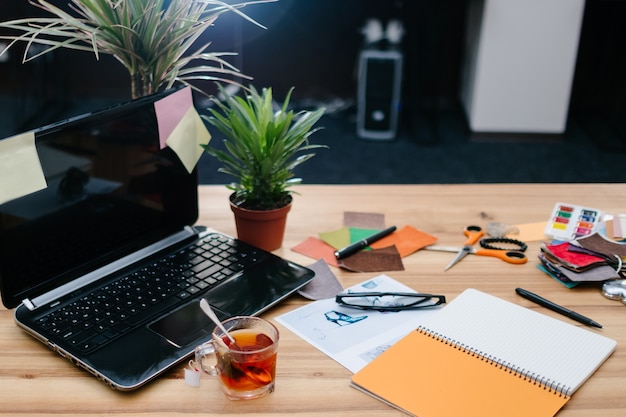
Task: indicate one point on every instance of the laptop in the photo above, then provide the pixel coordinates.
(106, 265)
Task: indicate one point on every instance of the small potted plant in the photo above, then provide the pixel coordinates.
(263, 145)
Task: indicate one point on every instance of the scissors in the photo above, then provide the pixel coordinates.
(473, 234)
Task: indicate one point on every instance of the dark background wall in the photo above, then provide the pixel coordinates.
(313, 45)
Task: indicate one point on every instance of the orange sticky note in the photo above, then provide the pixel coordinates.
(407, 240)
(530, 232)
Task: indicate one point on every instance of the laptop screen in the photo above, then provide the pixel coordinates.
(111, 190)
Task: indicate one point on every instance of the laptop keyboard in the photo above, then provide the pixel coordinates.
(132, 300)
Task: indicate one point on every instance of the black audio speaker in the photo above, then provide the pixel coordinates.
(379, 93)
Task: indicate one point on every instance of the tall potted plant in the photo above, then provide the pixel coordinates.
(155, 40)
(263, 145)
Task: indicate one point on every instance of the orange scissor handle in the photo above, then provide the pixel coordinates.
(512, 257)
(473, 233)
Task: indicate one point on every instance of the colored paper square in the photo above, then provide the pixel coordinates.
(187, 137)
(407, 240)
(338, 239)
(317, 249)
(364, 220)
(357, 234)
(377, 260)
(528, 232)
(170, 111)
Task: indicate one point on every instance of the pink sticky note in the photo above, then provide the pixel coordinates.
(170, 111)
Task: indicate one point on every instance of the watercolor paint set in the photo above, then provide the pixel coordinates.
(570, 221)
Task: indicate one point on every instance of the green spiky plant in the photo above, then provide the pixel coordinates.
(262, 146)
(153, 39)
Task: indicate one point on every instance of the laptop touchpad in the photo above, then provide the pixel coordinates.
(186, 325)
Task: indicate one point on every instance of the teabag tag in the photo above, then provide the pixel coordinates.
(192, 375)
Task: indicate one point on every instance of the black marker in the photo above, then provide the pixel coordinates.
(557, 308)
(357, 246)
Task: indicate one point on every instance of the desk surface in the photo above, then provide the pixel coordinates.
(34, 380)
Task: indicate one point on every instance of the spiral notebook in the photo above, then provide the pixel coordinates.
(484, 356)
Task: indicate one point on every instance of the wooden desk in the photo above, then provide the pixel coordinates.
(34, 380)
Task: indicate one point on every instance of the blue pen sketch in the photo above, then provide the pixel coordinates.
(369, 285)
(342, 319)
(338, 318)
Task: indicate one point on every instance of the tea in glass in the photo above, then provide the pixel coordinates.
(247, 366)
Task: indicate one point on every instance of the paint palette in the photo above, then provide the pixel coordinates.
(569, 221)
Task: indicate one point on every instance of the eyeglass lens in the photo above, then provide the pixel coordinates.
(391, 300)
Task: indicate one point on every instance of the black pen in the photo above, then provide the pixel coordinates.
(557, 308)
(357, 246)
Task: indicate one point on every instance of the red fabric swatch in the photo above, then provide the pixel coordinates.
(577, 259)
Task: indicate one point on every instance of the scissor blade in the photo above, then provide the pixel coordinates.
(460, 255)
(437, 248)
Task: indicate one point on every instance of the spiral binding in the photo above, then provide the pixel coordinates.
(547, 384)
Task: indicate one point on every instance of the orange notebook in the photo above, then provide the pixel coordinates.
(484, 356)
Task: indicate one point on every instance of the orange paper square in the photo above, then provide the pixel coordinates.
(407, 240)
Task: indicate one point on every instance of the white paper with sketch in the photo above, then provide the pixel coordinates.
(358, 337)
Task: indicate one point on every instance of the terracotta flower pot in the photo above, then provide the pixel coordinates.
(262, 228)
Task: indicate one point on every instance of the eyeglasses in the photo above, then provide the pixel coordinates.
(389, 301)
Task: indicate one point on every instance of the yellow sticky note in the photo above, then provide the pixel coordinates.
(187, 137)
(20, 168)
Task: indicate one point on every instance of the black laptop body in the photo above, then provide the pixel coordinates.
(118, 218)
